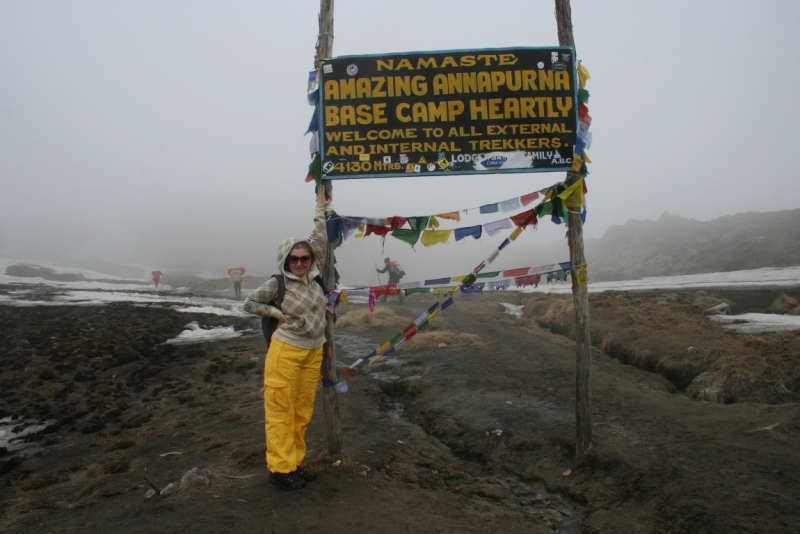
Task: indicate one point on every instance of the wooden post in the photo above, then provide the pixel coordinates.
(330, 397)
(580, 293)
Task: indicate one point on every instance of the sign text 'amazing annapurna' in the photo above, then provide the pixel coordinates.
(459, 112)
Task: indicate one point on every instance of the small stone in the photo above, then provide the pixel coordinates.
(337, 463)
(149, 493)
(567, 473)
(362, 473)
(195, 477)
(170, 488)
(442, 345)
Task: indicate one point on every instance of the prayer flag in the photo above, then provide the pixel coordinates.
(509, 205)
(527, 199)
(583, 75)
(418, 223)
(490, 208)
(350, 225)
(409, 236)
(452, 215)
(412, 290)
(434, 237)
(474, 231)
(493, 227)
(437, 281)
(524, 219)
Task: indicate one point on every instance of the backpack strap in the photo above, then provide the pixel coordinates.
(276, 302)
(269, 324)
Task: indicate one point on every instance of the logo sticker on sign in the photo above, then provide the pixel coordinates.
(352, 70)
(327, 167)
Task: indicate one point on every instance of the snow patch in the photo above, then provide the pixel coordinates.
(196, 334)
(757, 323)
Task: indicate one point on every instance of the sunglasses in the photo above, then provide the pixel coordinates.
(299, 259)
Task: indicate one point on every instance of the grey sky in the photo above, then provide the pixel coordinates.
(170, 134)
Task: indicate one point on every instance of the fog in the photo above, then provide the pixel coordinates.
(169, 134)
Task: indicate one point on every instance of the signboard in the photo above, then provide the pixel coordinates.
(456, 112)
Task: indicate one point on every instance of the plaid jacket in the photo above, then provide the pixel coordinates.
(304, 301)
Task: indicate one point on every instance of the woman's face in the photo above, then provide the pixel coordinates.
(299, 261)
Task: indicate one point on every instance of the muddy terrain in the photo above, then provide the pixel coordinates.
(470, 429)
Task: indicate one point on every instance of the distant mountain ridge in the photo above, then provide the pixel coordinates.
(674, 245)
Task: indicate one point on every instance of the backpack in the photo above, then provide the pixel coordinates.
(270, 324)
(399, 270)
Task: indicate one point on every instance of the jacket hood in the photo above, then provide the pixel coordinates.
(283, 251)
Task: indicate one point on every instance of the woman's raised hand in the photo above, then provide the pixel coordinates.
(321, 200)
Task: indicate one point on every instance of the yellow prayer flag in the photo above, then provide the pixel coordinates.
(375, 359)
(577, 161)
(458, 278)
(573, 195)
(583, 75)
(434, 237)
(515, 234)
(383, 348)
(439, 291)
(586, 157)
(362, 228)
(580, 275)
(434, 315)
(571, 189)
(433, 222)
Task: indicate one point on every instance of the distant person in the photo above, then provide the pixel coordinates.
(157, 277)
(395, 274)
(236, 277)
(294, 358)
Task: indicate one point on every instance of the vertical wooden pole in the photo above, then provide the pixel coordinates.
(330, 397)
(580, 293)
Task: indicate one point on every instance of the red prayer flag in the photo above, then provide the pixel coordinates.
(513, 273)
(527, 199)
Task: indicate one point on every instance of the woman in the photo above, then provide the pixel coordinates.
(292, 366)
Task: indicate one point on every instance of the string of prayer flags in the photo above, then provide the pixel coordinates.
(490, 208)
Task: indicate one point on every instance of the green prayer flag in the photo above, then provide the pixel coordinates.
(396, 338)
(412, 290)
(315, 169)
(470, 278)
(583, 95)
(422, 325)
(409, 236)
(418, 223)
(489, 275)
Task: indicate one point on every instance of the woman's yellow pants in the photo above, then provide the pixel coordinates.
(291, 376)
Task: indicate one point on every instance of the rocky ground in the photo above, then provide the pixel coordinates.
(444, 437)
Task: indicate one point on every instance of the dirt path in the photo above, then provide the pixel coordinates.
(437, 440)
